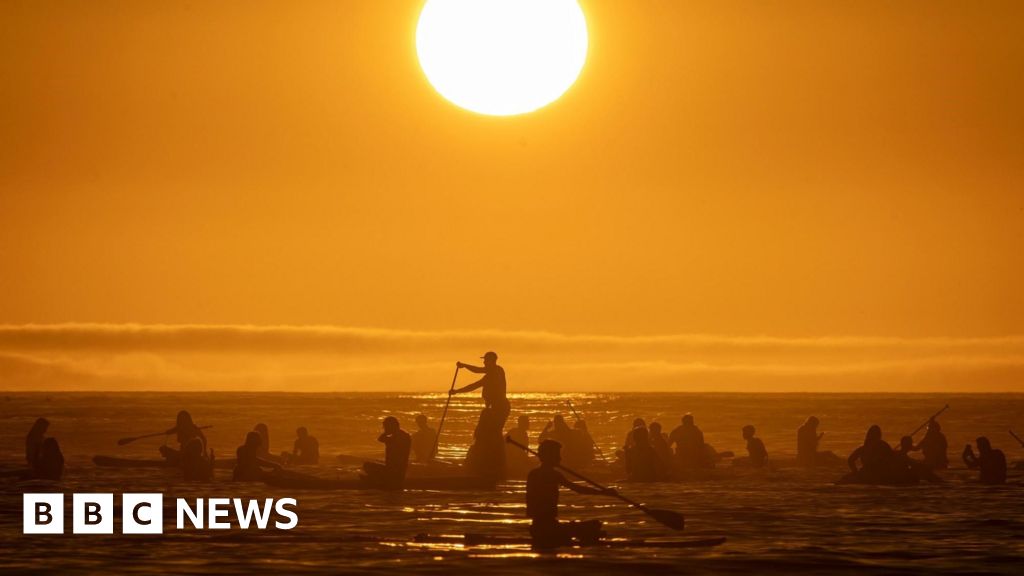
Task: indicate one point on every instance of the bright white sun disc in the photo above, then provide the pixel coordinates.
(501, 57)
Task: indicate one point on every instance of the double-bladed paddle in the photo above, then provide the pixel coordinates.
(131, 439)
(673, 520)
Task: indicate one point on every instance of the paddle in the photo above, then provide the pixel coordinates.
(934, 416)
(437, 438)
(131, 439)
(673, 520)
(1017, 438)
(576, 415)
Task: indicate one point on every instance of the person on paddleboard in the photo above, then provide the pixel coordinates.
(185, 430)
(516, 460)
(423, 440)
(305, 450)
(34, 440)
(934, 447)
(487, 455)
(757, 454)
(542, 485)
(691, 452)
(250, 464)
(807, 440)
(397, 446)
(989, 461)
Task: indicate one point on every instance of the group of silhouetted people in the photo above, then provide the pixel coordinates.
(650, 455)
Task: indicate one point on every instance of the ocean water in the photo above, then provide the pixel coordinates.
(785, 521)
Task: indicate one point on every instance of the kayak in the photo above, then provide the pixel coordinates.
(488, 540)
(296, 481)
(115, 462)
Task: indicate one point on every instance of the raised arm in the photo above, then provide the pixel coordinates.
(854, 456)
(470, 387)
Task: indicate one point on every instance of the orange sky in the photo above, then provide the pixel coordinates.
(792, 169)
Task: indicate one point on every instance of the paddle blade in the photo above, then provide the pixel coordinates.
(673, 520)
(124, 441)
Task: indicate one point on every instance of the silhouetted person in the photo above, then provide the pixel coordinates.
(876, 459)
(637, 423)
(807, 440)
(250, 464)
(34, 440)
(756, 452)
(642, 462)
(991, 462)
(517, 460)
(397, 445)
(584, 442)
(487, 454)
(195, 465)
(934, 447)
(264, 433)
(691, 452)
(306, 449)
(659, 441)
(185, 430)
(423, 440)
(573, 450)
(908, 469)
(49, 464)
(542, 486)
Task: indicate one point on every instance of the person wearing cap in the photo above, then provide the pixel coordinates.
(487, 454)
(542, 486)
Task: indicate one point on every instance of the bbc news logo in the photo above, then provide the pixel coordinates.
(144, 513)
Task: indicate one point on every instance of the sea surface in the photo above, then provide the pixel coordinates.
(783, 521)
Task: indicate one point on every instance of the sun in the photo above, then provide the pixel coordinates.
(501, 57)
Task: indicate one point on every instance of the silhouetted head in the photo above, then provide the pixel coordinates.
(559, 421)
(906, 443)
(639, 423)
(874, 434)
(391, 425)
(301, 432)
(550, 452)
(748, 432)
(688, 419)
(983, 444)
(421, 421)
(524, 422)
(655, 428)
(184, 418)
(253, 440)
(39, 427)
(934, 425)
(812, 422)
(641, 437)
(490, 359)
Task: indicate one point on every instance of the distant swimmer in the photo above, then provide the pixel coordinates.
(542, 486)
(305, 450)
(49, 464)
(642, 462)
(517, 460)
(397, 445)
(989, 461)
(934, 447)
(487, 454)
(757, 454)
(423, 440)
(194, 464)
(691, 453)
(250, 464)
(807, 440)
(34, 440)
(185, 430)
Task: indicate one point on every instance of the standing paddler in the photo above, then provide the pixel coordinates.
(487, 454)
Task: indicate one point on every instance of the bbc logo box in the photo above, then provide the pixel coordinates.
(93, 514)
